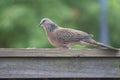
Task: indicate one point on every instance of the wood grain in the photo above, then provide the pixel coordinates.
(59, 67)
(14, 52)
(59, 63)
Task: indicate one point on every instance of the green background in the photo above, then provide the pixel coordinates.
(19, 20)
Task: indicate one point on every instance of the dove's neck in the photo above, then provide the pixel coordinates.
(51, 27)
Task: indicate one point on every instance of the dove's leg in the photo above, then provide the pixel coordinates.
(65, 46)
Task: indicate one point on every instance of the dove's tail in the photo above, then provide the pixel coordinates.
(102, 45)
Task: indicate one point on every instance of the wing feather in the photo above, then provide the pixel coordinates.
(65, 35)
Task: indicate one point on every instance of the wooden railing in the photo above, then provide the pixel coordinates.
(59, 63)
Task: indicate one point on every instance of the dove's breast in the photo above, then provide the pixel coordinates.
(52, 38)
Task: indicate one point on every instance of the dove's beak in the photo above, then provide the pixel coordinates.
(40, 25)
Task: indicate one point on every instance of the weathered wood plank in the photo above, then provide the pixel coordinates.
(56, 63)
(14, 52)
(59, 67)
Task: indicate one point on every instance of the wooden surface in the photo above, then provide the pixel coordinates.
(13, 52)
(54, 63)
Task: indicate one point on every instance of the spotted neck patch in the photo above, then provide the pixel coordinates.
(51, 27)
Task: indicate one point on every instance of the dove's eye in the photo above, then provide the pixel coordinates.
(43, 21)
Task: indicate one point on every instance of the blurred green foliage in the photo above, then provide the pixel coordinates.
(19, 20)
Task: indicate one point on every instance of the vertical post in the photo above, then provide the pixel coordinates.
(104, 32)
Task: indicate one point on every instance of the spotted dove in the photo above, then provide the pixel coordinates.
(66, 37)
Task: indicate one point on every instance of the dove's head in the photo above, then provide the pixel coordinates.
(48, 24)
(46, 21)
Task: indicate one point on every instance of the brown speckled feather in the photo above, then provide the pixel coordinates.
(66, 35)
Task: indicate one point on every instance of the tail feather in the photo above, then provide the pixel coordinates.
(102, 45)
(106, 46)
